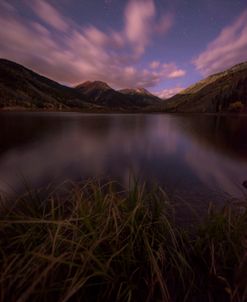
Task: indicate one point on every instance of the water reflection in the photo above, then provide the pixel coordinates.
(193, 156)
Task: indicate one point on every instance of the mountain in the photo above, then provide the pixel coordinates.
(102, 94)
(142, 95)
(21, 87)
(222, 92)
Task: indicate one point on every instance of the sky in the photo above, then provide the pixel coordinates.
(161, 45)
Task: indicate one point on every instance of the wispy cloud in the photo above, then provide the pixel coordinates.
(228, 49)
(154, 64)
(165, 23)
(139, 16)
(168, 93)
(54, 45)
(177, 73)
(49, 14)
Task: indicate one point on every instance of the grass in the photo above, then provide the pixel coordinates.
(97, 243)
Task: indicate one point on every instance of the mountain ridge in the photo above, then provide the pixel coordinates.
(142, 94)
(21, 87)
(102, 93)
(225, 91)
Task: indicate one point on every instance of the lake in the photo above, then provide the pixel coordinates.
(193, 156)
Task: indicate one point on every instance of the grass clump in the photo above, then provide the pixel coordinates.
(97, 243)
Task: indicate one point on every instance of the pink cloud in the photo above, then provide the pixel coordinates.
(96, 36)
(154, 64)
(165, 23)
(138, 18)
(171, 71)
(177, 74)
(48, 14)
(7, 7)
(140, 23)
(168, 93)
(72, 54)
(228, 49)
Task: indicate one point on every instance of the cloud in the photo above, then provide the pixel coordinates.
(53, 45)
(171, 71)
(6, 7)
(228, 49)
(177, 74)
(154, 64)
(49, 14)
(138, 18)
(168, 93)
(140, 23)
(165, 23)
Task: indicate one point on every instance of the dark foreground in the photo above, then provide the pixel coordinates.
(97, 243)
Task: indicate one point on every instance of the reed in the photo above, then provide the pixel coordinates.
(96, 242)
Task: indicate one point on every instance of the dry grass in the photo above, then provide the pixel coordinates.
(96, 243)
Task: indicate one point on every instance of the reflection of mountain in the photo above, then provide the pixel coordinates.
(226, 134)
(82, 146)
(162, 148)
(222, 92)
(20, 129)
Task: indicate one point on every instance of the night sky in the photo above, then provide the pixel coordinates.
(162, 45)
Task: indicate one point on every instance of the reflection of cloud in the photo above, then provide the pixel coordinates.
(153, 146)
(57, 47)
(77, 151)
(216, 171)
(228, 49)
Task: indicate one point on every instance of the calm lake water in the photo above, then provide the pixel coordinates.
(192, 156)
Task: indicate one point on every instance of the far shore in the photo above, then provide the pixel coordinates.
(112, 111)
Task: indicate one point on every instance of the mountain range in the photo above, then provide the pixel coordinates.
(21, 88)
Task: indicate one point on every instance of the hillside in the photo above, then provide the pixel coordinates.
(222, 92)
(21, 87)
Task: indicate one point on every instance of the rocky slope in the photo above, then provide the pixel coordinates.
(222, 92)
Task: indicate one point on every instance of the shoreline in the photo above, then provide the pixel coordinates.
(23, 110)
